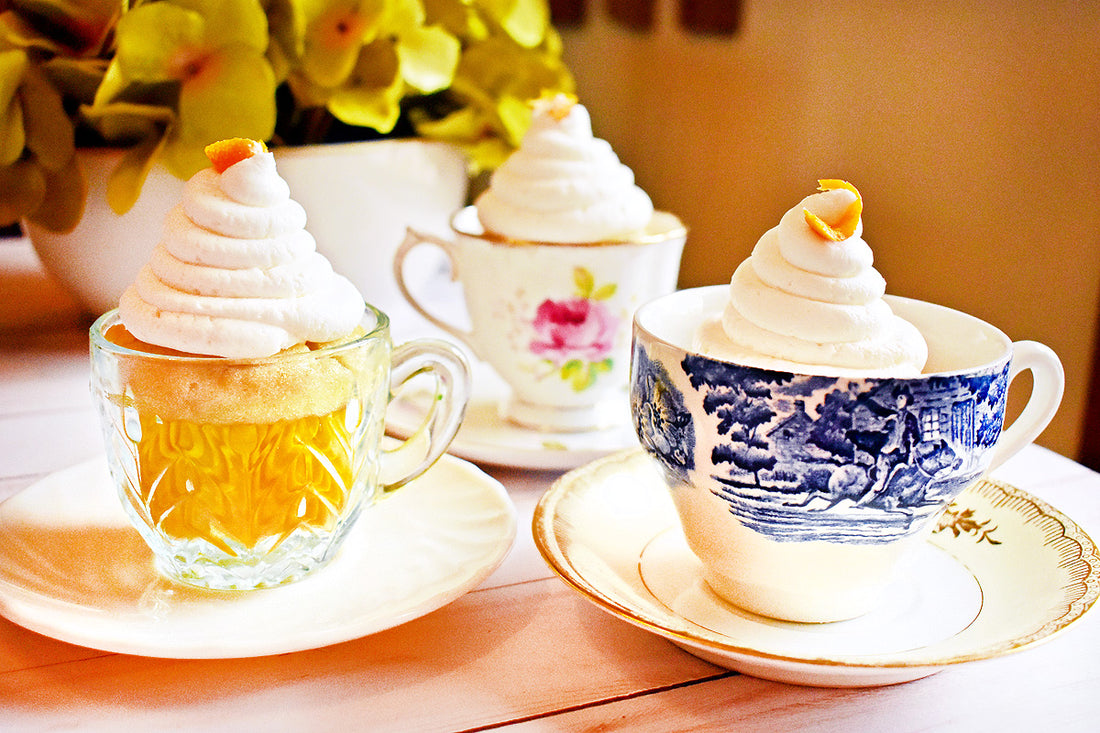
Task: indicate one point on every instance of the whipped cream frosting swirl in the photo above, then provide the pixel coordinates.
(804, 301)
(563, 185)
(236, 274)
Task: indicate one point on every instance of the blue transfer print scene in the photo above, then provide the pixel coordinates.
(661, 421)
(797, 456)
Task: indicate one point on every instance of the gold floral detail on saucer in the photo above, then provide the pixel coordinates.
(962, 521)
(975, 602)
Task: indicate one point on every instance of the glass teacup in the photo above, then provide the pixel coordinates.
(248, 473)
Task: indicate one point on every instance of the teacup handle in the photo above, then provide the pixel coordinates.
(448, 366)
(1048, 383)
(414, 239)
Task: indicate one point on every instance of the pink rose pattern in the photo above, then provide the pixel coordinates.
(577, 334)
(574, 328)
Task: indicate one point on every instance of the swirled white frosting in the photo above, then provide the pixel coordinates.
(563, 185)
(236, 274)
(802, 302)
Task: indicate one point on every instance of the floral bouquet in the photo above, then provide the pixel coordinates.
(162, 78)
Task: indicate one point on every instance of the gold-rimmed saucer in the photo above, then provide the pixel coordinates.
(1002, 572)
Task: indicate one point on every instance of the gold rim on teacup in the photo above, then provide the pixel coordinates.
(661, 227)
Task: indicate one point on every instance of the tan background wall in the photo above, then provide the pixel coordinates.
(971, 129)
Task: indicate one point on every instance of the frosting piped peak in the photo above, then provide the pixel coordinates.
(235, 273)
(808, 298)
(563, 184)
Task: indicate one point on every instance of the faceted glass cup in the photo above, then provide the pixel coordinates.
(248, 473)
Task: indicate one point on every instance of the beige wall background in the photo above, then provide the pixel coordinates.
(971, 129)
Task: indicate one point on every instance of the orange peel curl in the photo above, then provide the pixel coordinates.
(557, 104)
(225, 153)
(846, 225)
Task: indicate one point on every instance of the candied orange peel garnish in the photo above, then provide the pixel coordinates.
(557, 104)
(846, 225)
(225, 153)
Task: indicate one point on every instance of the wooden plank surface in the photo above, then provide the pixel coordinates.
(522, 652)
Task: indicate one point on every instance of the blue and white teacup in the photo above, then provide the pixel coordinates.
(799, 493)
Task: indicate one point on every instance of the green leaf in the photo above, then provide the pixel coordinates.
(429, 57)
(24, 186)
(13, 65)
(286, 25)
(126, 122)
(515, 116)
(372, 96)
(465, 127)
(525, 21)
(571, 368)
(72, 27)
(76, 79)
(126, 180)
(12, 134)
(604, 291)
(584, 281)
(458, 17)
(17, 32)
(307, 93)
(112, 85)
(462, 124)
(583, 379)
(485, 155)
(501, 67)
(403, 16)
(63, 202)
(552, 48)
(49, 129)
(378, 109)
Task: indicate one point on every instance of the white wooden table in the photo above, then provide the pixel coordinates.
(521, 652)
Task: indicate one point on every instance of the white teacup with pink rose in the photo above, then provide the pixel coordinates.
(552, 319)
(554, 257)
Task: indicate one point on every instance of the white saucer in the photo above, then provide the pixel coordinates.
(72, 568)
(486, 438)
(1003, 572)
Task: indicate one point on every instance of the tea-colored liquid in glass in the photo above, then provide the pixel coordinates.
(244, 485)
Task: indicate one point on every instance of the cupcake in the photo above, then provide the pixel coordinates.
(244, 372)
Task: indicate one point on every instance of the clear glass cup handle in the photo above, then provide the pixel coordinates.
(448, 366)
(1048, 384)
